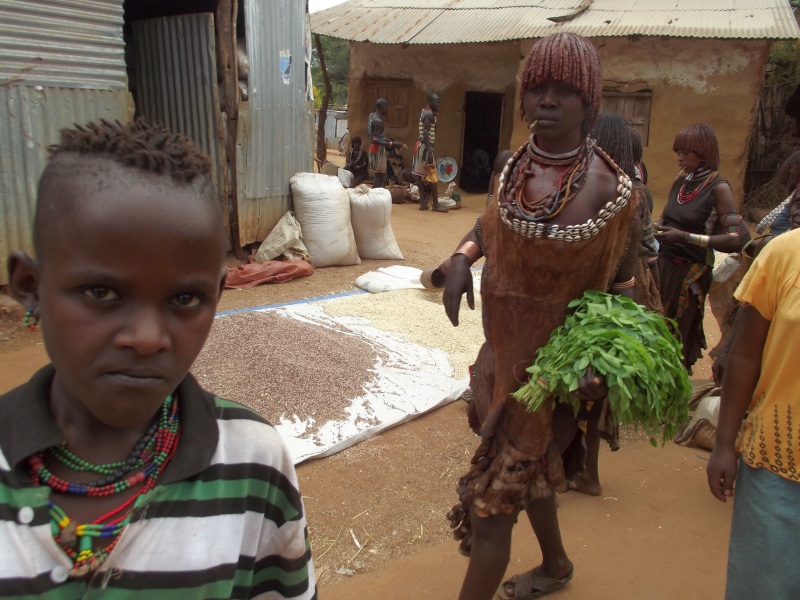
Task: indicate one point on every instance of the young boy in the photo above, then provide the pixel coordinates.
(356, 162)
(119, 476)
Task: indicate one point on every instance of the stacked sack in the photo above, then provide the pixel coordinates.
(340, 227)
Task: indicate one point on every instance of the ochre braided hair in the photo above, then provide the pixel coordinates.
(700, 139)
(789, 173)
(570, 59)
(613, 134)
(138, 144)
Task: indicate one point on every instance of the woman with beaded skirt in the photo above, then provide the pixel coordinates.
(700, 217)
(560, 224)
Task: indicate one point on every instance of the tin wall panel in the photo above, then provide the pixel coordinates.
(32, 117)
(63, 43)
(278, 144)
(176, 82)
(335, 127)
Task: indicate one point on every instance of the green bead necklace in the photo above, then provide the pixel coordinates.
(148, 459)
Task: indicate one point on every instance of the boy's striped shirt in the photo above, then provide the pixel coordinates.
(225, 521)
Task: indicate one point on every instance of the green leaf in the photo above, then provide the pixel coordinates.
(634, 349)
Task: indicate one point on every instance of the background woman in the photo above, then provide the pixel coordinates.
(761, 384)
(700, 216)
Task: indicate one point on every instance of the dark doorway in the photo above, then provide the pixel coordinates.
(483, 112)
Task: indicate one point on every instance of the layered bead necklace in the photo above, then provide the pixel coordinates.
(512, 197)
(706, 176)
(144, 465)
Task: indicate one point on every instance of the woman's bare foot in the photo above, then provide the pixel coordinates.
(586, 485)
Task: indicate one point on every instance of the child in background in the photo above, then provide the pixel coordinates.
(356, 162)
(119, 475)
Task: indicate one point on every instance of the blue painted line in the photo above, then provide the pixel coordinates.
(305, 300)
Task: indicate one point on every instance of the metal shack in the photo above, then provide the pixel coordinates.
(73, 61)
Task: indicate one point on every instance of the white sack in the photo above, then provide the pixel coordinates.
(322, 207)
(285, 238)
(346, 177)
(371, 212)
(387, 279)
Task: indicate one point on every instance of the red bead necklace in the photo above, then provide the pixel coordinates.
(683, 197)
(570, 182)
(152, 453)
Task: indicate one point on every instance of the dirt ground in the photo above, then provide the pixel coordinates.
(376, 511)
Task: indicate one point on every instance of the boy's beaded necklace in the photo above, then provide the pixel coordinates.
(148, 459)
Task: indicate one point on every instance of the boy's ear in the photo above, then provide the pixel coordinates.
(222, 279)
(23, 279)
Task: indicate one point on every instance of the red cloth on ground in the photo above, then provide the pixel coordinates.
(269, 271)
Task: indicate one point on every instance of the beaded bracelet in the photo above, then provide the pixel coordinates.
(623, 285)
(471, 250)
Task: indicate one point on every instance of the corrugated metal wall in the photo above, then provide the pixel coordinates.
(335, 127)
(176, 82)
(63, 43)
(176, 79)
(277, 116)
(61, 62)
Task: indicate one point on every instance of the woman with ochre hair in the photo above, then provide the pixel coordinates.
(559, 224)
(700, 216)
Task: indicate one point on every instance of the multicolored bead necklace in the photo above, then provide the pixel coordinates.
(151, 454)
(709, 175)
(566, 233)
(512, 198)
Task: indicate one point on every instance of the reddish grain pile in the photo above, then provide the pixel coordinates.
(282, 367)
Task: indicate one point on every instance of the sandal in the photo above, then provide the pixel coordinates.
(531, 584)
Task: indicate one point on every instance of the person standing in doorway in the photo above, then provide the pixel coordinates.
(423, 163)
(378, 143)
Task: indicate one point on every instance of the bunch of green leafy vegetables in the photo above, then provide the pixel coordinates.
(634, 350)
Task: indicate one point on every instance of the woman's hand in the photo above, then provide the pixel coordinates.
(669, 235)
(591, 387)
(458, 282)
(721, 472)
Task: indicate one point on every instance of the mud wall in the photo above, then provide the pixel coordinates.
(448, 70)
(692, 80)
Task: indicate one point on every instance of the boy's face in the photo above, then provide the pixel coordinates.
(357, 145)
(128, 285)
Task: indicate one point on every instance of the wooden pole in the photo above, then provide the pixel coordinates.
(322, 150)
(227, 65)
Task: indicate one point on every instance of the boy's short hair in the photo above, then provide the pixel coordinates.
(356, 138)
(139, 145)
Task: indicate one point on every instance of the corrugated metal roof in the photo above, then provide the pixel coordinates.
(63, 43)
(477, 21)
